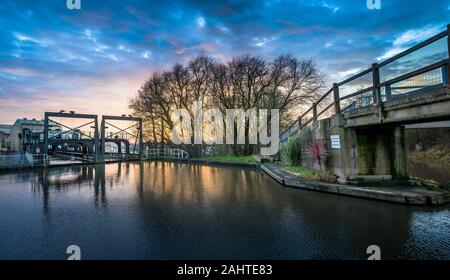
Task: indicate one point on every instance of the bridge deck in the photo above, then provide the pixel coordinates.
(428, 104)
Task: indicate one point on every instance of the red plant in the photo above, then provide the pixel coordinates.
(318, 151)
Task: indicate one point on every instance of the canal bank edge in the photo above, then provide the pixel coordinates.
(403, 195)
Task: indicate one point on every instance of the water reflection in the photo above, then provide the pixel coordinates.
(65, 179)
(180, 211)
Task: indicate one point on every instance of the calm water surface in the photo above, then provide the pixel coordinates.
(180, 211)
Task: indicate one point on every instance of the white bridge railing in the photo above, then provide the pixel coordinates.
(167, 153)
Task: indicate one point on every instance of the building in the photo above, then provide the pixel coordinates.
(5, 131)
(25, 135)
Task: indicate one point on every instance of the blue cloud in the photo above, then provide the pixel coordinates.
(43, 44)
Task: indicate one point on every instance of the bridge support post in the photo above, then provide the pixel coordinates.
(96, 141)
(380, 151)
(102, 145)
(337, 104)
(45, 150)
(376, 88)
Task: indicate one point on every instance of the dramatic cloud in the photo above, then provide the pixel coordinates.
(409, 38)
(94, 59)
(201, 21)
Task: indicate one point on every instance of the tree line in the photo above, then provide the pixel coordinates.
(245, 82)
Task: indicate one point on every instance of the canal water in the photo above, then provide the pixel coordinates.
(182, 211)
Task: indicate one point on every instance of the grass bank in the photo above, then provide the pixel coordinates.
(241, 159)
(310, 173)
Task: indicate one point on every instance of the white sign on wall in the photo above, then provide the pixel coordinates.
(335, 141)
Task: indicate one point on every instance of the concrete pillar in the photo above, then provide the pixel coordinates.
(350, 143)
(374, 151)
(365, 153)
(399, 153)
(381, 151)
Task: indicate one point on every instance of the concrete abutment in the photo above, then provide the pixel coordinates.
(377, 151)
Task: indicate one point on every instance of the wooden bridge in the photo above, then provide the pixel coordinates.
(367, 112)
(410, 87)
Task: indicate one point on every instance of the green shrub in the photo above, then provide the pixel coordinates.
(311, 174)
(325, 176)
(291, 152)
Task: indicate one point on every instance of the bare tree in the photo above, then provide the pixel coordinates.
(154, 104)
(293, 83)
(246, 82)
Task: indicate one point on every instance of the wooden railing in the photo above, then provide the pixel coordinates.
(380, 88)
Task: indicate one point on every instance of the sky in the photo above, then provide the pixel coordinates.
(94, 59)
